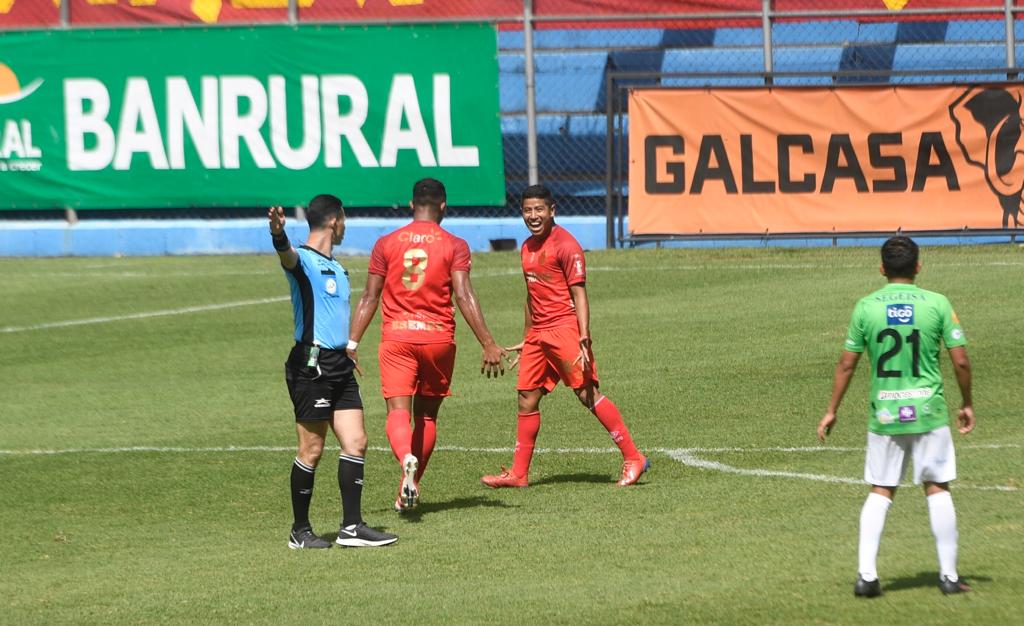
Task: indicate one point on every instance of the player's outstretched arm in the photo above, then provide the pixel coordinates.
(962, 367)
(844, 374)
(289, 257)
(578, 292)
(469, 305)
(363, 314)
(518, 348)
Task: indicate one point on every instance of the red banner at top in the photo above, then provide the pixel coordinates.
(397, 10)
(669, 7)
(29, 13)
(42, 13)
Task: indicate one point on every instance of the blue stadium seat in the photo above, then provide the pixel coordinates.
(873, 57)
(949, 56)
(553, 61)
(976, 30)
(921, 32)
(510, 39)
(598, 38)
(817, 32)
(714, 61)
(561, 92)
(807, 59)
(876, 33)
(565, 81)
(546, 124)
(511, 92)
(567, 145)
(739, 37)
(688, 38)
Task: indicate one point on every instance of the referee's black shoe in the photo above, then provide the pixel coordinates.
(867, 588)
(305, 538)
(953, 586)
(362, 536)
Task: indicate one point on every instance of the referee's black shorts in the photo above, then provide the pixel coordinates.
(317, 392)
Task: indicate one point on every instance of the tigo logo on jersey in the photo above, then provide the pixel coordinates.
(899, 314)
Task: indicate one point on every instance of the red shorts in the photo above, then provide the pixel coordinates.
(422, 369)
(551, 355)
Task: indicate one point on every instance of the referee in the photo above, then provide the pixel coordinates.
(320, 376)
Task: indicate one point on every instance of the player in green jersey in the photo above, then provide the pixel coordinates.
(903, 327)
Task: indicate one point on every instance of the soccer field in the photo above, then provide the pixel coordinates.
(146, 438)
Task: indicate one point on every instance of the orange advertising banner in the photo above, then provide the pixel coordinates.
(848, 159)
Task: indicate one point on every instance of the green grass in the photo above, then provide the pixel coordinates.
(699, 349)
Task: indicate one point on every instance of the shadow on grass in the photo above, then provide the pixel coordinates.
(573, 478)
(426, 508)
(925, 579)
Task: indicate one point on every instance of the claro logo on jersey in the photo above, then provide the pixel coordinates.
(899, 314)
(18, 152)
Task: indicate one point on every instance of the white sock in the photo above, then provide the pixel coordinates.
(872, 521)
(943, 519)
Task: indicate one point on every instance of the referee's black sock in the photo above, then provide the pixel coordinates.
(302, 493)
(350, 482)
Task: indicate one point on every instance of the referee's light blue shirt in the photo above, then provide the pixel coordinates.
(320, 299)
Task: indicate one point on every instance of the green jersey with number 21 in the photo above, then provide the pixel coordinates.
(903, 328)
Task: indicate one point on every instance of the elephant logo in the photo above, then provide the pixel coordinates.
(988, 131)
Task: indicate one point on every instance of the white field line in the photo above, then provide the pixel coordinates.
(489, 274)
(202, 308)
(144, 315)
(480, 450)
(127, 273)
(686, 456)
(688, 459)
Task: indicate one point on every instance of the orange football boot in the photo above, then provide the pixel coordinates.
(631, 471)
(505, 479)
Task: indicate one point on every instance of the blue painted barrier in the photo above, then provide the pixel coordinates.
(243, 236)
(249, 236)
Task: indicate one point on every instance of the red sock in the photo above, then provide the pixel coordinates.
(526, 437)
(399, 433)
(423, 438)
(611, 419)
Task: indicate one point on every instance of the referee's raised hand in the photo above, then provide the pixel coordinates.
(289, 258)
(276, 217)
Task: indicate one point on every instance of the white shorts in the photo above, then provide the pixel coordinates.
(887, 457)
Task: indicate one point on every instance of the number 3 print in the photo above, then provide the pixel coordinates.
(415, 263)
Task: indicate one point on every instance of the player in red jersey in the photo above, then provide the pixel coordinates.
(556, 344)
(418, 268)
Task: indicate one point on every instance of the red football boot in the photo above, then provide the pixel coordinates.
(631, 471)
(505, 479)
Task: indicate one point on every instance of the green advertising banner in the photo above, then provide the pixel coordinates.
(248, 116)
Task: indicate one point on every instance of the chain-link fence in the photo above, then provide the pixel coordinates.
(574, 45)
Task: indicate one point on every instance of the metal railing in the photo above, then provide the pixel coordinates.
(559, 106)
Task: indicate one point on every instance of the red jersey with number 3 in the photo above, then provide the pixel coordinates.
(551, 265)
(417, 262)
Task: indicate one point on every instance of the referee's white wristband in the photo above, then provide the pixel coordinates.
(352, 345)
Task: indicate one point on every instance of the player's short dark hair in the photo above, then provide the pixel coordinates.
(538, 192)
(899, 257)
(429, 192)
(321, 209)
